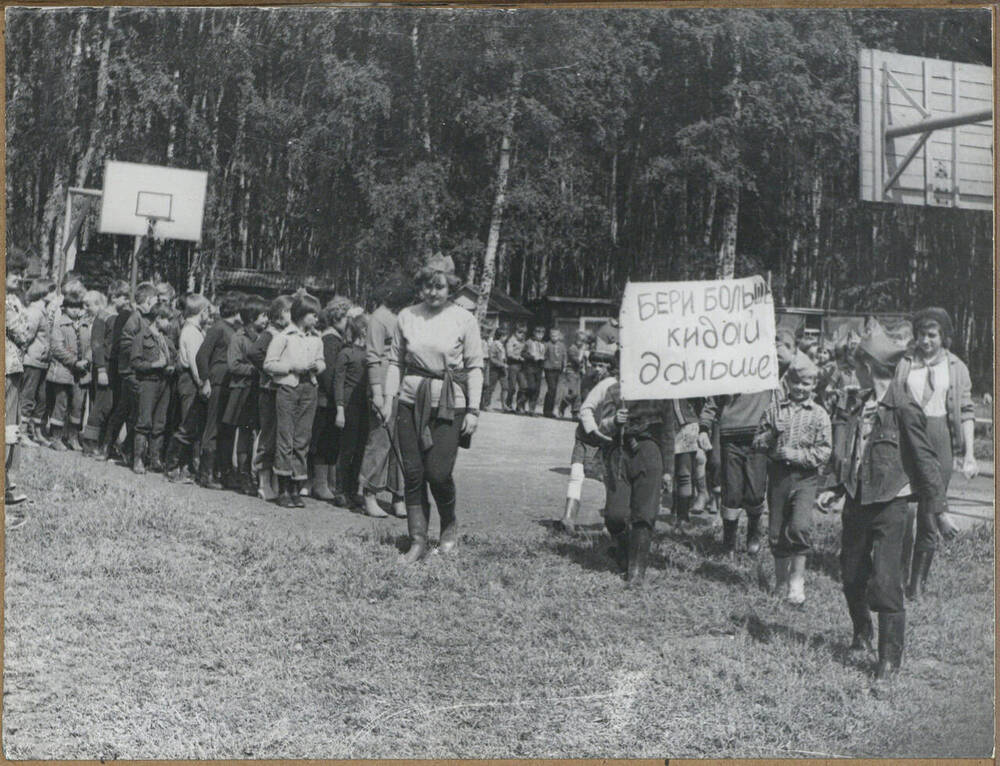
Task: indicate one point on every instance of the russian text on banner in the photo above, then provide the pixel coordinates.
(690, 339)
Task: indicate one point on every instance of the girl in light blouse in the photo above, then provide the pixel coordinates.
(436, 365)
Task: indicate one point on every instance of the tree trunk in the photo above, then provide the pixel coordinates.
(418, 76)
(713, 191)
(496, 219)
(727, 253)
(97, 127)
(613, 201)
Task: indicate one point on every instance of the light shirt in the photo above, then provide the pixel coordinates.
(937, 405)
(190, 342)
(435, 340)
(588, 410)
(866, 422)
(292, 348)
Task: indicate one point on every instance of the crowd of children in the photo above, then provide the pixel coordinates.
(267, 398)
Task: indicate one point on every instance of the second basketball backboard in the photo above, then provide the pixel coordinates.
(948, 165)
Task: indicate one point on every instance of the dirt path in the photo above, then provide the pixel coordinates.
(513, 478)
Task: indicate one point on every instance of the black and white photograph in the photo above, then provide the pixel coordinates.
(414, 382)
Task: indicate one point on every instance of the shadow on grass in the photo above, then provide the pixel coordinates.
(766, 632)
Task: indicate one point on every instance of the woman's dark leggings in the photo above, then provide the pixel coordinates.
(432, 468)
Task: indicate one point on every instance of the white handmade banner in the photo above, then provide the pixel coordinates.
(690, 339)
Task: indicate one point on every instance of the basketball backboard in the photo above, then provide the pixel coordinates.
(926, 131)
(134, 194)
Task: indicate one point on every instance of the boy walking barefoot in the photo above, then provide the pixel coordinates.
(795, 433)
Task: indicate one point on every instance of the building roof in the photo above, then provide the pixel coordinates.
(571, 299)
(271, 280)
(500, 302)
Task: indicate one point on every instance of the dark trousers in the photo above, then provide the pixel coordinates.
(124, 412)
(513, 377)
(633, 479)
(871, 552)
(551, 386)
(217, 437)
(684, 474)
(102, 402)
(263, 459)
(353, 438)
(192, 411)
(791, 493)
(530, 381)
(432, 468)
(495, 375)
(744, 475)
(151, 412)
(67, 403)
(325, 436)
(33, 394)
(295, 407)
(926, 538)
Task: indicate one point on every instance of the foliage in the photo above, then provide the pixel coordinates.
(344, 142)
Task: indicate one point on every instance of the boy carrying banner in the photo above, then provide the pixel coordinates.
(638, 451)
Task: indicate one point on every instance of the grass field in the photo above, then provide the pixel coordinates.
(147, 623)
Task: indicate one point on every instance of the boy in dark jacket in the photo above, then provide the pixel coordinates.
(241, 404)
(886, 459)
(213, 366)
(120, 300)
(638, 465)
(153, 359)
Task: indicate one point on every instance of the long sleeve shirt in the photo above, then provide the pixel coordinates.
(191, 339)
(497, 353)
(447, 338)
(534, 351)
(151, 350)
(257, 353)
(332, 341)
(801, 429)
(290, 353)
(130, 328)
(555, 356)
(242, 373)
(213, 356)
(381, 326)
(738, 415)
(350, 373)
(17, 337)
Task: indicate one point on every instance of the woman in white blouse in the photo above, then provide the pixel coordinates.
(939, 382)
(436, 366)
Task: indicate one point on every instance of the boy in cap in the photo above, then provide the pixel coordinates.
(887, 459)
(795, 433)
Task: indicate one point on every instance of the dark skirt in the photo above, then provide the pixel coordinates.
(241, 408)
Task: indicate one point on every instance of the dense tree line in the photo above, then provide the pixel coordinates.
(550, 152)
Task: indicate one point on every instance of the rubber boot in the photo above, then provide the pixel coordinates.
(782, 565)
(296, 493)
(416, 525)
(139, 454)
(891, 627)
(754, 539)
(730, 527)
(682, 513)
(619, 550)
(285, 498)
(155, 451)
(449, 529)
(72, 437)
(321, 479)
(206, 477)
(639, 539)
(171, 466)
(861, 619)
(797, 580)
(568, 521)
(918, 574)
(372, 508)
